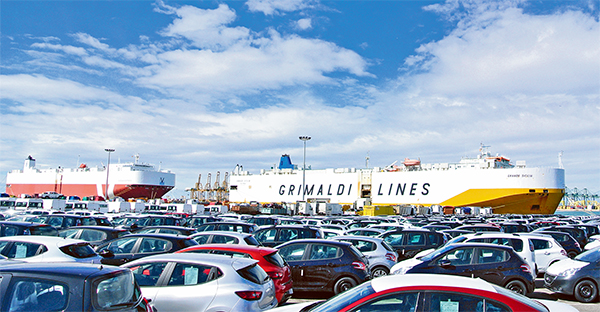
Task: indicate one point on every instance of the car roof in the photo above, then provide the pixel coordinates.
(235, 247)
(24, 223)
(229, 233)
(408, 280)
(358, 237)
(211, 259)
(73, 269)
(42, 239)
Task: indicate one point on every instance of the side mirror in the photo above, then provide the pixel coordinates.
(445, 263)
(106, 253)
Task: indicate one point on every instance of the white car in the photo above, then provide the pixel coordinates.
(47, 249)
(593, 242)
(547, 251)
(204, 282)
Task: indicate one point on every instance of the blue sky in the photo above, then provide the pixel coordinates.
(200, 86)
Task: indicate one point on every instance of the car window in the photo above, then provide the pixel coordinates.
(234, 254)
(250, 240)
(394, 238)
(435, 239)
(149, 245)
(202, 239)
(189, 274)
(398, 302)
(117, 291)
(304, 233)
(90, 235)
(266, 236)
(416, 239)
(2, 245)
(491, 255)
(29, 294)
(287, 235)
(147, 274)
(318, 251)
(10, 230)
(121, 246)
(223, 239)
(255, 274)
(459, 256)
(55, 221)
(293, 252)
(276, 259)
(362, 246)
(540, 244)
(25, 250)
(81, 250)
(169, 231)
(447, 301)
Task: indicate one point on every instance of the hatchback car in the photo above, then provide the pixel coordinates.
(13, 228)
(324, 265)
(203, 282)
(135, 246)
(428, 292)
(268, 259)
(381, 255)
(499, 265)
(78, 287)
(272, 236)
(547, 251)
(93, 234)
(47, 249)
(579, 277)
(567, 241)
(225, 237)
(409, 242)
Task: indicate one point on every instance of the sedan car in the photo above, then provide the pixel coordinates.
(78, 287)
(381, 255)
(13, 228)
(47, 249)
(268, 259)
(499, 265)
(135, 246)
(203, 282)
(579, 277)
(225, 237)
(324, 265)
(428, 292)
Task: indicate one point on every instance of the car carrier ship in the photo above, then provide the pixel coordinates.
(125, 180)
(484, 181)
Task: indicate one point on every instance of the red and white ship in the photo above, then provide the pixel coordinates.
(125, 180)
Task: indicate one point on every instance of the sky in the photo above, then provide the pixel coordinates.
(198, 87)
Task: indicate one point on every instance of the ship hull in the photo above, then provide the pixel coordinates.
(506, 190)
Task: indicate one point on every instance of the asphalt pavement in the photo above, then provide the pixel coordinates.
(540, 293)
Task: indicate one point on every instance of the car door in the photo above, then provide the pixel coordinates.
(489, 264)
(122, 248)
(543, 254)
(294, 256)
(148, 275)
(456, 262)
(321, 264)
(182, 282)
(414, 243)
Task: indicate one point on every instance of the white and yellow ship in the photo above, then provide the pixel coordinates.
(485, 181)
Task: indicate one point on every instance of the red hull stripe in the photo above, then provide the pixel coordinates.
(122, 190)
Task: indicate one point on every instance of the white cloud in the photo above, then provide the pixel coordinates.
(271, 7)
(304, 24)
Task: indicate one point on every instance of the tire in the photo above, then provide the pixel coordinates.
(343, 284)
(572, 254)
(517, 286)
(585, 291)
(379, 271)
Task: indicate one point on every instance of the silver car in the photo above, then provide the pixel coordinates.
(203, 282)
(38, 248)
(381, 255)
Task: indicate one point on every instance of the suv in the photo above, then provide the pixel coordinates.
(408, 242)
(274, 235)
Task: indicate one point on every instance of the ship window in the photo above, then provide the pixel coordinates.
(234, 187)
(535, 207)
(531, 191)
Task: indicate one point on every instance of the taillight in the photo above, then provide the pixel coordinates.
(275, 275)
(526, 268)
(249, 295)
(359, 265)
(148, 306)
(577, 244)
(563, 252)
(390, 257)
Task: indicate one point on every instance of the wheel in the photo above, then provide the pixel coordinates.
(585, 291)
(572, 254)
(343, 284)
(379, 271)
(516, 286)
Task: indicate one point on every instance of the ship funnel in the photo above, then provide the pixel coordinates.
(285, 162)
(29, 163)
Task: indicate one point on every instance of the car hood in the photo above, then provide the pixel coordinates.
(402, 266)
(555, 306)
(565, 264)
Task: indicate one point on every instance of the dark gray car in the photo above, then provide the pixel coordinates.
(579, 277)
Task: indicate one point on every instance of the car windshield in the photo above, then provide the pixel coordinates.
(343, 299)
(276, 259)
(80, 251)
(436, 253)
(254, 273)
(43, 230)
(532, 303)
(592, 255)
(120, 290)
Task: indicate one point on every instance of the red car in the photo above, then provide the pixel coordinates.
(268, 259)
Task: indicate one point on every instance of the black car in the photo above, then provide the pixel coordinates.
(570, 244)
(324, 265)
(233, 226)
(264, 220)
(135, 246)
(94, 234)
(63, 221)
(578, 234)
(275, 235)
(579, 277)
(13, 228)
(409, 242)
(76, 287)
(497, 264)
(167, 229)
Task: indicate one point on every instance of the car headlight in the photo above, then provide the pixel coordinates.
(569, 272)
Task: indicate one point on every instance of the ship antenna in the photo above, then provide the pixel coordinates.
(367, 160)
(560, 163)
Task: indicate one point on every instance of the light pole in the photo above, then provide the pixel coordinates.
(109, 150)
(304, 139)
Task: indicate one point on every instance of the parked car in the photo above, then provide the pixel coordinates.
(272, 236)
(324, 265)
(567, 241)
(13, 228)
(381, 255)
(268, 259)
(409, 242)
(579, 277)
(428, 292)
(135, 246)
(232, 226)
(578, 234)
(370, 232)
(78, 287)
(196, 221)
(93, 234)
(30, 248)
(138, 222)
(63, 221)
(499, 265)
(547, 251)
(167, 229)
(225, 237)
(27, 218)
(203, 282)
(51, 195)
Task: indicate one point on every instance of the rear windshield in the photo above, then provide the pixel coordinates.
(118, 291)
(276, 259)
(255, 274)
(43, 230)
(250, 240)
(82, 250)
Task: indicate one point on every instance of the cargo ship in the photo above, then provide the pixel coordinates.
(484, 181)
(125, 180)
